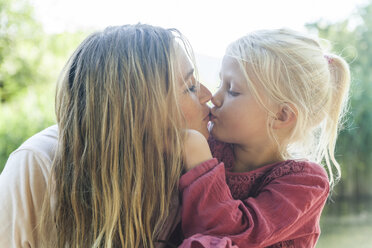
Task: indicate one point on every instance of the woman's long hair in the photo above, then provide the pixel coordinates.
(118, 160)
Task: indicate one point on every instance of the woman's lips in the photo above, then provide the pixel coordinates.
(207, 115)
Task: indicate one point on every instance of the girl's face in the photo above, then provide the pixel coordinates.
(236, 116)
(193, 96)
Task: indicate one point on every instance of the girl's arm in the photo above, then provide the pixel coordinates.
(284, 209)
(196, 149)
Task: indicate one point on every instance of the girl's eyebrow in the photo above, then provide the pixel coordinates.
(188, 75)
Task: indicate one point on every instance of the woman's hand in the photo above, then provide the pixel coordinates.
(196, 150)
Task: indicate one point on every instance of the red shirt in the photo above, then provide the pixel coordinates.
(278, 205)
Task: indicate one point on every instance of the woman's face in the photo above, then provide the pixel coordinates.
(193, 96)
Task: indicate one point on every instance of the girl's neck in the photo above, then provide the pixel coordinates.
(246, 159)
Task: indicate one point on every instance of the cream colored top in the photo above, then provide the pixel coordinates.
(22, 188)
(23, 184)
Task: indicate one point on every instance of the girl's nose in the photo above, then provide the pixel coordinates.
(217, 99)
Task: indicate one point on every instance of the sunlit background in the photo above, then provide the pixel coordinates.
(210, 25)
(37, 37)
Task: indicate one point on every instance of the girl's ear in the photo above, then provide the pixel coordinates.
(285, 117)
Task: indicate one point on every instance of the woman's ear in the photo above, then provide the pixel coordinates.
(285, 117)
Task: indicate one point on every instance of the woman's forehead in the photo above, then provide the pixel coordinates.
(184, 65)
(182, 55)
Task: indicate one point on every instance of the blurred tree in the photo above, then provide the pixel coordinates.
(30, 62)
(352, 39)
(20, 37)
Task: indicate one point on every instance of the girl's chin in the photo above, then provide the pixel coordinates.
(217, 134)
(213, 131)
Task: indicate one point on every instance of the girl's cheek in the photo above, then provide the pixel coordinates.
(226, 108)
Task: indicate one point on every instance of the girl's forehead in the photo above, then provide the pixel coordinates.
(230, 64)
(231, 68)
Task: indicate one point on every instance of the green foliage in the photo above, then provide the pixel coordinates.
(30, 62)
(20, 36)
(26, 115)
(31, 108)
(352, 39)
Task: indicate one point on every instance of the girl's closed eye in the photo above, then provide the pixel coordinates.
(229, 89)
(233, 93)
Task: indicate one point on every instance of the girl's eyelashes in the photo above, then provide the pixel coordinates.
(227, 87)
(233, 93)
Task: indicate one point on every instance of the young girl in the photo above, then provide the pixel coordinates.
(277, 113)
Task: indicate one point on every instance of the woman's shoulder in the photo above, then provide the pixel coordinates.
(42, 143)
(37, 151)
(22, 187)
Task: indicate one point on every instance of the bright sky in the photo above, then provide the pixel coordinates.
(209, 25)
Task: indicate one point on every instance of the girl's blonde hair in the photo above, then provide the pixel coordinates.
(119, 155)
(294, 71)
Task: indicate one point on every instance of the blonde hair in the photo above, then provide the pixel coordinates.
(119, 154)
(293, 70)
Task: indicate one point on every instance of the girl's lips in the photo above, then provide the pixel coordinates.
(212, 117)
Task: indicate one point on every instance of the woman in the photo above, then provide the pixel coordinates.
(122, 103)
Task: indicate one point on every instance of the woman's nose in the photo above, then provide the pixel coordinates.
(205, 95)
